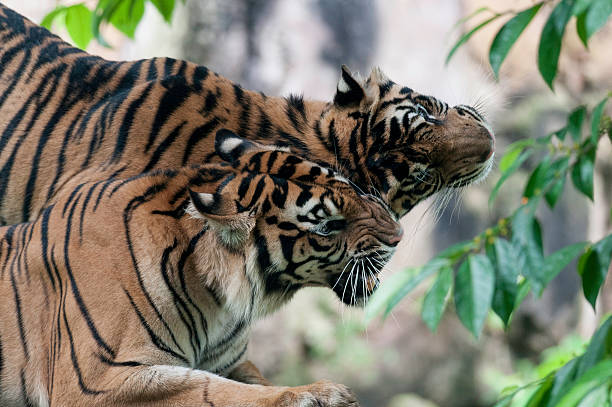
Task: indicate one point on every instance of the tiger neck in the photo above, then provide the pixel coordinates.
(232, 280)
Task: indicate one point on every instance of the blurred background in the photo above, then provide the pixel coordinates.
(297, 46)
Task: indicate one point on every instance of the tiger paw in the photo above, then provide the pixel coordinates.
(320, 394)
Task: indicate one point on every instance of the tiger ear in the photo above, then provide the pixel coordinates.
(349, 92)
(377, 77)
(230, 147)
(232, 222)
(255, 158)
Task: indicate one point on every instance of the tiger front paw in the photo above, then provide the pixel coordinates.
(320, 394)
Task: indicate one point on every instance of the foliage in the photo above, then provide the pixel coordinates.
(498, 268)
(589, 15)
(83, 24)
(567, 380)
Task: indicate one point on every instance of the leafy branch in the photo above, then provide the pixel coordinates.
(83, 24)
(496, 269)
(590, 16)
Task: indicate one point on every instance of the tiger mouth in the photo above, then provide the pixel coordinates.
(359, 280)
(355, 290)
(476, 176)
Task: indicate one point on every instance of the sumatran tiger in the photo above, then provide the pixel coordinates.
(67, 117)
(141, 291)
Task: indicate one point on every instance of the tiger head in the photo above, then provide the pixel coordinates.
(297, 223)
(401, 144)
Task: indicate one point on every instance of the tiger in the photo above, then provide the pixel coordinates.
(67, 117)
(141, 291)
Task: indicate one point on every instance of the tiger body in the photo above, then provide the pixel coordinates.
(142, 291)
(67, 117)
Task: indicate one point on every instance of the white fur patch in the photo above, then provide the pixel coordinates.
(229, 144)
(207, 199)
(193, 212)
(343, 86)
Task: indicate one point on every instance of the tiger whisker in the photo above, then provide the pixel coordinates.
(340, 276)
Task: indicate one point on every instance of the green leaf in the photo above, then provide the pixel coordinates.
(590, 273)
(102, 13)
(513, 151)
(596, 398)
(538, 178)
(550, 41)
(542, 394)
(48, 20)
(596, 120)
(563, 378)
(127, 15)
(560, 134)
(78, 24)
(546, 174)
(504, 402)
(470, 16)
(553, 194)
(165, 8)
(557, 261)
(474, 285)
(580, 6)
(581, 28)
(593, 268)
(467, 36)
(503, 257)
(596, 376)
(582, 173)
(456, 251)
(522, 222)
(435, 299)
(527, 240)
(507, 36)
(596, 16)
(391, 285)
(574, 122)
(516, 164)
(394, 288)
(599, 348)
(523, 289)
(427, 270)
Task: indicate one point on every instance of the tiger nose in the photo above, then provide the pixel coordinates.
(394, 240)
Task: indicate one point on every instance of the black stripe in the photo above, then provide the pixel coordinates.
(127, 121)
(154, 338)
(84, 208)
(24, 391)
(163, 146)
(181, 306)
(75, 289)
(75, 362)
(177, 91)
(17, 298)
(233, 362)
(181, 273)
(200, 133)
(127, 216)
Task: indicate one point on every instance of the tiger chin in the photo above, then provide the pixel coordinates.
(141, 291)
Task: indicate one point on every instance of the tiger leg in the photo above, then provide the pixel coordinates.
(247, 372)
(172, 386)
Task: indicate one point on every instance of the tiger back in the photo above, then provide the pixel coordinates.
(67, 117)
(141, 291)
